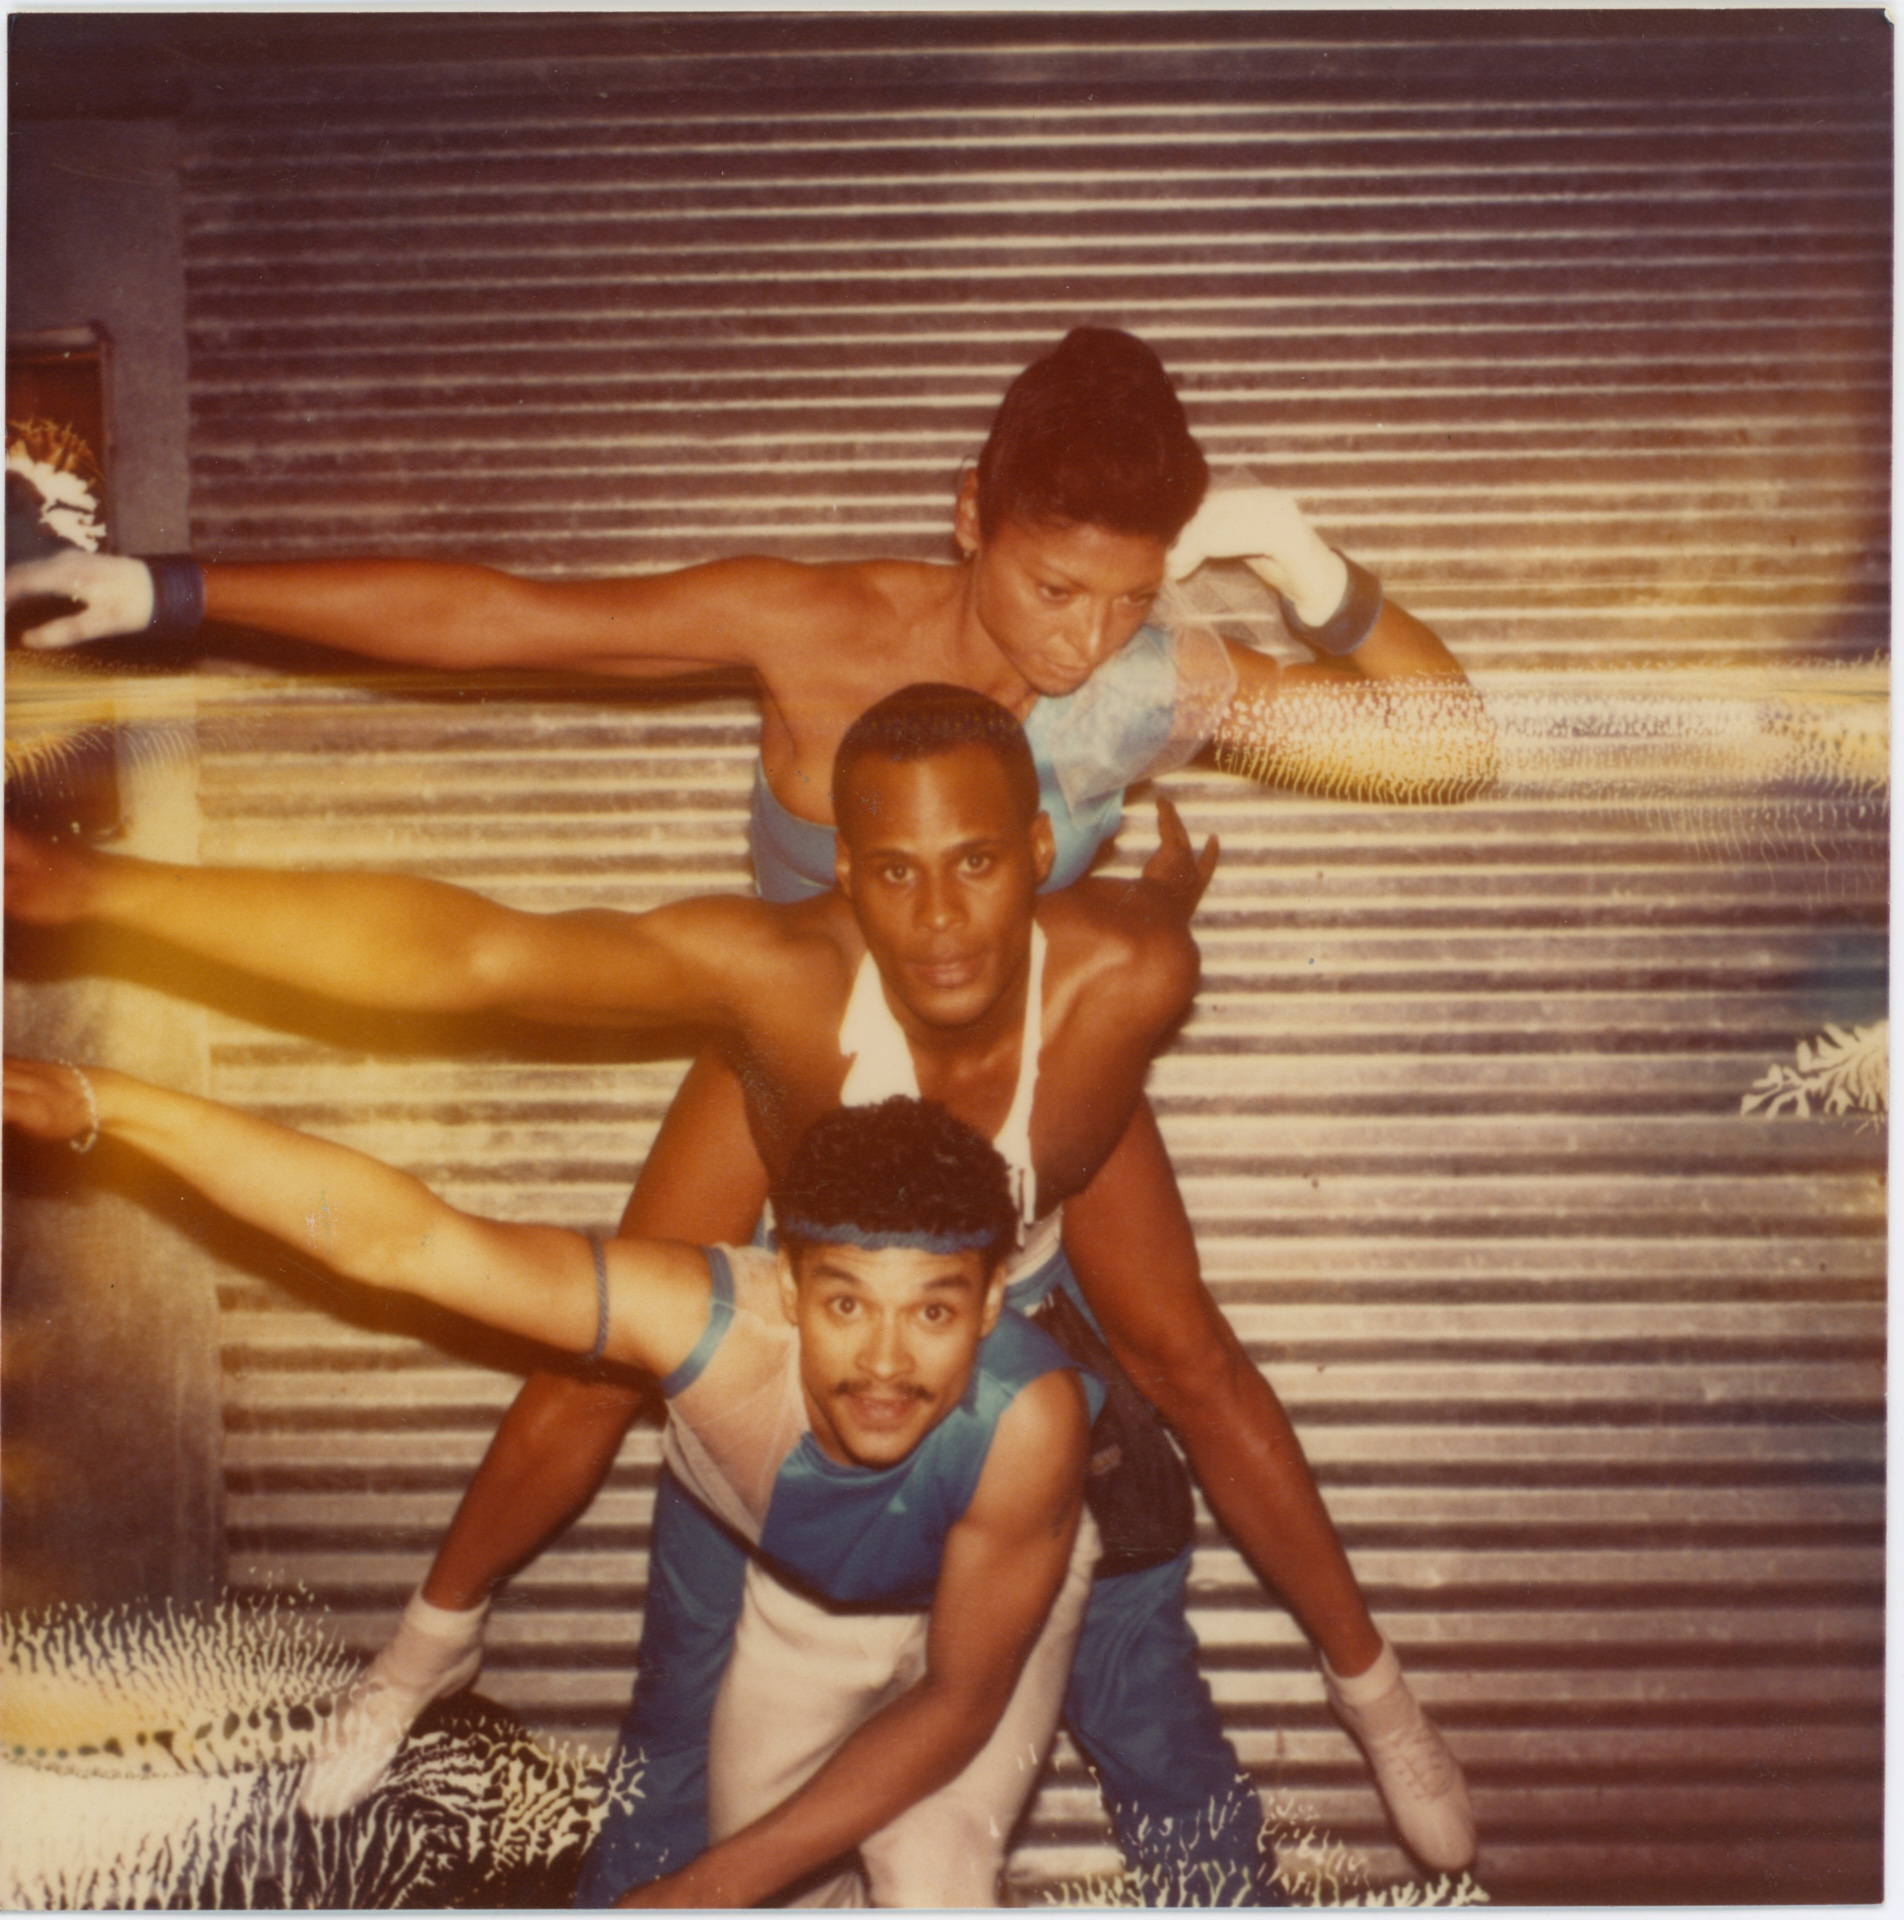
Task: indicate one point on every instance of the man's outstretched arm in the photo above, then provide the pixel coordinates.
(373, 1224)
(401, 943)
(1003, 1565)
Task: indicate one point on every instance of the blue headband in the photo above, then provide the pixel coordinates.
(840, 1234)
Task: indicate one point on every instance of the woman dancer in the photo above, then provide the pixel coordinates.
(1066, 530)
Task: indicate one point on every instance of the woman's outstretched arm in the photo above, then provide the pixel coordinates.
(1383, 712)
(444, 613)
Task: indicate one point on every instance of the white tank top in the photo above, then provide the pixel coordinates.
(882, 1066)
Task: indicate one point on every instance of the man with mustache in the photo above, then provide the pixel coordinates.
(904, 1458)
(935, 968)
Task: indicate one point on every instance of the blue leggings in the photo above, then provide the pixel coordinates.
(1185, 1813)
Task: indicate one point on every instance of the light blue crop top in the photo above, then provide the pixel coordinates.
(1143, 712)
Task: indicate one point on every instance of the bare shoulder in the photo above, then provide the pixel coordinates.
(1038, 1450)
(890, 607)
(785, 594)
(849, 593)
(811, 948)
(840, 634)
(760, 953)
(1049, 1412)
(1110, 943)
(904, 587)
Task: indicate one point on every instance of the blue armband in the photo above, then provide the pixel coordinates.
(178, 595)
(1351, 623)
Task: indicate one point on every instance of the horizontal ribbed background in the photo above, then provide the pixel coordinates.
(1577, 329)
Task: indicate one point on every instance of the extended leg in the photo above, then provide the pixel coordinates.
(702, 1181)
(1130, 1244)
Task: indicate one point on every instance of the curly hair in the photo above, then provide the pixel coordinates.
(902, 1173)
(926, 719)
(1092, 434)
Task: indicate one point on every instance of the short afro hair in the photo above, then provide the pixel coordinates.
(902, 1173)
(926, 719)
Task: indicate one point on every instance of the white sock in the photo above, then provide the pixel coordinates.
(464, 1625)
(430, 1641)
(1362, 1689)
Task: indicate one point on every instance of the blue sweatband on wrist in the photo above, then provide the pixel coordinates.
(178, 595)
(1351, 623)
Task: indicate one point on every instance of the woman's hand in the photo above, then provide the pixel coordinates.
(45, 1100)
(115, 593)
(1265, 528)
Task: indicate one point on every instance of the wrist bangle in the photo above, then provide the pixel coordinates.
(1351, 623)
(84, 1143)
(178, 595)
(601, 1304)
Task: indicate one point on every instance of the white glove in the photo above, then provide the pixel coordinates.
(115, 589)
(1265, 528)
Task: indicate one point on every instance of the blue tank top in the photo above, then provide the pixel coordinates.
(874, 1536)
(1146, 710)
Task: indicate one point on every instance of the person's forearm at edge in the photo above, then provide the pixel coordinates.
(1394, 723)
(1382, 711)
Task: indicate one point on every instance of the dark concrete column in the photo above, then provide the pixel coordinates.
(111, 1472)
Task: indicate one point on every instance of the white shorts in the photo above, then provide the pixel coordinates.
(801, 1679)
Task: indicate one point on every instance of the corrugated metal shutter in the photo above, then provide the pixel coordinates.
(1578, 330)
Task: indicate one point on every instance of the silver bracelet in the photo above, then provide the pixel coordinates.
(601, 1304)
(84, 1144)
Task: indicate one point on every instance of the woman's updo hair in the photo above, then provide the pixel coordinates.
(1092, 434)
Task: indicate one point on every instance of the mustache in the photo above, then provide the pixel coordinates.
(847, 1388)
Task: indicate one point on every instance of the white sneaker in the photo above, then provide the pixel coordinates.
(356, 1748)
(1419, 1779)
